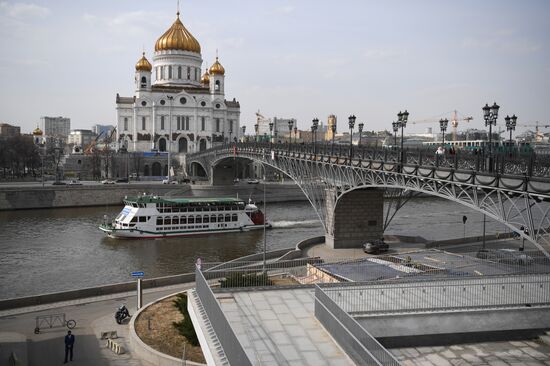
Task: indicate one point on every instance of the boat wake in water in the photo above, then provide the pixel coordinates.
(283, 224)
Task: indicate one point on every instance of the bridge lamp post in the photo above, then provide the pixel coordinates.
(443, 123)
(170, 98)
(256, 130)
(351, 121)
(360, 128)
(296, 134)
(243, 128)
(314, 132)
(395, 126)
(290, 124)
(402, 118)
(511, 126)
(270, 133)
(490, 115)
(333, 130)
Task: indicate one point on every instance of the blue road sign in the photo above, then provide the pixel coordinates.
(138, 274)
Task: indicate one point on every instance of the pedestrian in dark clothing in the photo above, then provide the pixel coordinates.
(69, 343)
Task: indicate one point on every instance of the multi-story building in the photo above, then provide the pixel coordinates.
(55, 126)
(173, 105)
(7, 130)
(81, 138)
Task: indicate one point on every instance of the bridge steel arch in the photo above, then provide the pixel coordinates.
(510, 200)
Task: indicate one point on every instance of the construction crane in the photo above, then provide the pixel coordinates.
(90, 148)
(454, 121)
(107, 140)
(538, 134)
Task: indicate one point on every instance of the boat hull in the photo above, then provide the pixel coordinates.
(142, 234)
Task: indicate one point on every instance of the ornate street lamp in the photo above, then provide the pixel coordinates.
(314, 132)
(443, 123)
(290, 124)
(256, 130)
(511, 126)
(360, 126)
(395, 126)
(402, 118)
(351, 120)
(243, 128)
(295, 134)
(270, 133)
(490, 115)
(333, 129)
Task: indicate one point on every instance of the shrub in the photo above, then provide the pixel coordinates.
(238, 279)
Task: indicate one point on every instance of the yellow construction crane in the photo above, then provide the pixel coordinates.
(454, 121)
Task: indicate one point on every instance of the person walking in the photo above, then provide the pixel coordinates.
(69, 343)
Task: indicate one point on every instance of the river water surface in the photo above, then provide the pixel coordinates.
(62, 249)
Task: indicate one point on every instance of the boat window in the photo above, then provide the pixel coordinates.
(198, 220)
(159, 220)
(191, 209)
(234, 217)
(220, 218)
(227, 217)
(142, 219)
(134, 219)
(191, 220)
(175, 220)
(206, 219)
(213, 218)
(183, 220)
(183, 209)
(167, 220)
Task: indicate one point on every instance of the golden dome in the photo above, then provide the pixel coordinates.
(143, 64)
(205, 79)
(177, 37)
(37, 132)
(217, 68)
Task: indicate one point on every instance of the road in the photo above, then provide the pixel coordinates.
(92, 315)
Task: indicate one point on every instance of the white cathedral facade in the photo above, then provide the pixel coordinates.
(175, 104)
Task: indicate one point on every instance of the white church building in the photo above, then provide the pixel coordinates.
(175, 102)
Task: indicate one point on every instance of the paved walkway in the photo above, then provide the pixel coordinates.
(92, 315)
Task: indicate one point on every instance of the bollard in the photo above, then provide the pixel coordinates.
(139, 294)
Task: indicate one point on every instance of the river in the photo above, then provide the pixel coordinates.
(53, 250)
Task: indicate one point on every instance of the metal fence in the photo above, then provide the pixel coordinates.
(443, 295)
(232, 348)
(358, 343)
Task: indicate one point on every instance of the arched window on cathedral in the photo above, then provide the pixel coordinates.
(217, 85)
(170, 72)
(125, 123)
(162, 122)
(162, 72)
(143, 82)
(188, 73)
(143, 123)
(179, 72)
(156, 73)
(196, 72)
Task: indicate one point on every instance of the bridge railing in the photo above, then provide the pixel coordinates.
(528, 164)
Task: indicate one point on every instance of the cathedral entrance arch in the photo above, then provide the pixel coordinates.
(202, 145)
(182, 145)
(162, 145)
(156, 171)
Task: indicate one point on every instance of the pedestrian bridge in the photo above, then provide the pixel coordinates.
(347, 186)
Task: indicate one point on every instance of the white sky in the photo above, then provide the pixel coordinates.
(300, 59)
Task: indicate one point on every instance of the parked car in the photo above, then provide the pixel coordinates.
(59, 183)
(107, 181)
(375, 247)
(74, 182)
(508, 256)
(253, 181)
(166, 181)
(122, 180)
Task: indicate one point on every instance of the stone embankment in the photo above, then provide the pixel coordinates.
(17, 198)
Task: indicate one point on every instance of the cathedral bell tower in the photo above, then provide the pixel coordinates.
(217, 78)
(143, 74)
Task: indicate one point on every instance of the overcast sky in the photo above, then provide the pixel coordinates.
(300, 59)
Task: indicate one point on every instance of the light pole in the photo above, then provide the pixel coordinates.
(490, 115)
(395, 126)
(243, 128)
(315, 122)
(351, 120)
(270, 133)
(296, 133)
(170, 98)
(443, 123)
(256, 130)
(290, 124)
(230, 133)
(402, 121)
(511, 126)
(333, 130)
(360, 128)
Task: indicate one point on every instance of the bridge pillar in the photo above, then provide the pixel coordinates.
(355, 218)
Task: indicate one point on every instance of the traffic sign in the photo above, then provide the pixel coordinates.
(138, 274)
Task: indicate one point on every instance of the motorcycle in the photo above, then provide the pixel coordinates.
(121, 314)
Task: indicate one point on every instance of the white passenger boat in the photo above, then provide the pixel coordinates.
(158, 217)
